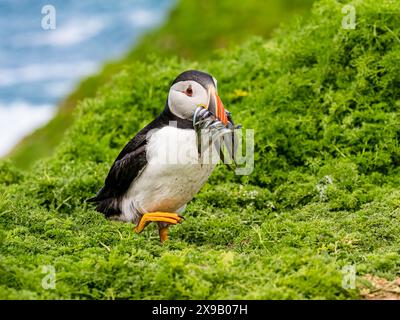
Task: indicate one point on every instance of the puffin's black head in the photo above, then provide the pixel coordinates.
(192, 89)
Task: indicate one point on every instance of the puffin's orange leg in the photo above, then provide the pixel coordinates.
(170, 218)
(163, 234)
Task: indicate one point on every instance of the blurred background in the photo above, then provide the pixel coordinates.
(44, 73)
(39, 67)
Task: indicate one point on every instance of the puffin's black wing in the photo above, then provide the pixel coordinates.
(122, 173)
(129, 163)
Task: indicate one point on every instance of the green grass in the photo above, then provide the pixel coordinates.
(323, 102)
(193, 30)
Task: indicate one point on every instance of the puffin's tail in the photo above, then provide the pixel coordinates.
(98, 197)
(94, 199)
(109, 207)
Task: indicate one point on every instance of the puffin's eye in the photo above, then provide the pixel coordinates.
(189, 91)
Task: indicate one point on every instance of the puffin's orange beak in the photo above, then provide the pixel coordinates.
(216, 107)
(220, 112)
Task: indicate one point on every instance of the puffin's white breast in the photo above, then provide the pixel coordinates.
(173, 174)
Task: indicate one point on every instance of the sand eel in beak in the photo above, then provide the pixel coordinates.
(158, 172)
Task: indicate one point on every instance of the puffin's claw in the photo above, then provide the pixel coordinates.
(166, 217)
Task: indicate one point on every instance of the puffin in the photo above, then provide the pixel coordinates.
(162, 167)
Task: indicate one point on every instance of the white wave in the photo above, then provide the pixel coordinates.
(144, 18)
(72, 32)
(42, 72)
(18, 119)
(58, 89)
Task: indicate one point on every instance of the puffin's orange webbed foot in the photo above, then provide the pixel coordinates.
(170, 218)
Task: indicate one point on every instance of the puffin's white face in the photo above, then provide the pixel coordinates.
(185, 96)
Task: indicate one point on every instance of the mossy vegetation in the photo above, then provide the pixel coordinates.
(323, 102)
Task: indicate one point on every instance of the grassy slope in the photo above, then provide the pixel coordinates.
(193, 30)
(323, 102)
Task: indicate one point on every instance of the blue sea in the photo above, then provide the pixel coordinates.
(42, 59)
